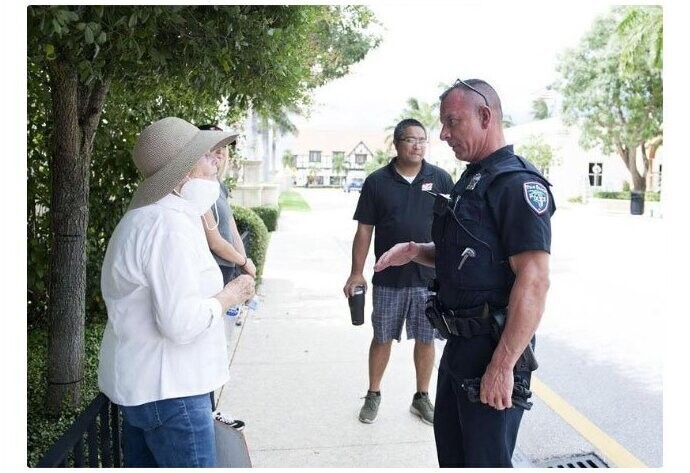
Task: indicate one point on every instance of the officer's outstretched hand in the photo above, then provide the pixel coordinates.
(400, 254)
(496, 388)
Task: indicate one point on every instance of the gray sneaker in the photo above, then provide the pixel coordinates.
(423, 408)
(370, 408)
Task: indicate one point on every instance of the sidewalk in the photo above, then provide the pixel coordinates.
(299, 367)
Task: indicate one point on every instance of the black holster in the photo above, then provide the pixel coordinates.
(527, 360)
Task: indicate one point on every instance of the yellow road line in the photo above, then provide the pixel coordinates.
(611, 449)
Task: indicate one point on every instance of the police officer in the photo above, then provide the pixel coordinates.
(491, 244)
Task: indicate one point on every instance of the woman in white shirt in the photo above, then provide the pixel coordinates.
(164, 346)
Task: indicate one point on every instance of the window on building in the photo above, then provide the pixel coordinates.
(314, 156)
(319, 180)
(595, 172)
(360, 158)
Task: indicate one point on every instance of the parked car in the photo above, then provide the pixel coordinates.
(354, 184)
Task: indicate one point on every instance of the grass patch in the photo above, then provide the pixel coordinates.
(291, 200)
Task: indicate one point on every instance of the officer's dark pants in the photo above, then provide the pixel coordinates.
(471, 434)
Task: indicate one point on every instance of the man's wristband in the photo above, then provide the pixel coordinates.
(245, 262)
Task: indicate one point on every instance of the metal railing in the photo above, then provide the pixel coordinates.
(93, 439)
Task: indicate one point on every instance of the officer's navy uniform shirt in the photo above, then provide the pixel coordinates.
(504, 205)
(401, 212)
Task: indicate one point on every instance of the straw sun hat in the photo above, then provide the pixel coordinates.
(166, 151)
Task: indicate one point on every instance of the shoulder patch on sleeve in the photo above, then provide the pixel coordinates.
(536, 196)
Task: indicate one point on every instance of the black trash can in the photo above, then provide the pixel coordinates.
(636, 203)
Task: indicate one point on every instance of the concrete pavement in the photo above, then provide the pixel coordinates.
(299, 367)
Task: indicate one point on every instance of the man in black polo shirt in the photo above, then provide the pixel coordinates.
(393, 202)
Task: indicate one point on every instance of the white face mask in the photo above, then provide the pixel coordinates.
(202, 193)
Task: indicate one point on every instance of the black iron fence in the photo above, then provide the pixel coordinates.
(93, 439)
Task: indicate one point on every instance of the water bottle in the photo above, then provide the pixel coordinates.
(252, 304)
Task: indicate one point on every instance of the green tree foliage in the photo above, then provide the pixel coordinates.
(426, 113)
(97, 75)
(379, 160)
(338, 165)
(289, 160)
(618, 113)
(538, 152)
(641, 31)
(540, 110)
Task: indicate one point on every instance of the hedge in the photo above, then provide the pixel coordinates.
(625, 195)
(269, 215)
(43, 431)
(248, 220)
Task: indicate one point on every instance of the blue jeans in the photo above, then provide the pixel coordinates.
(176, 432)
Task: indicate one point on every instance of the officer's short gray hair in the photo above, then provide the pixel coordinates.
(484, 87)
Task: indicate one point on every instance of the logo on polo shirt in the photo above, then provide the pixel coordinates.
(427, 186)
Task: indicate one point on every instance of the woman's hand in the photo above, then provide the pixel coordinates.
(236, 292)
(249, 268)
(242, 287)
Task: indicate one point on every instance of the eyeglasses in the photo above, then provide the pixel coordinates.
(465, 84)
(415, 141)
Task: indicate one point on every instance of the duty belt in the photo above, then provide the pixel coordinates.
(467, 323)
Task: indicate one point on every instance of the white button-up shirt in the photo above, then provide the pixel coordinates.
(165, 335)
